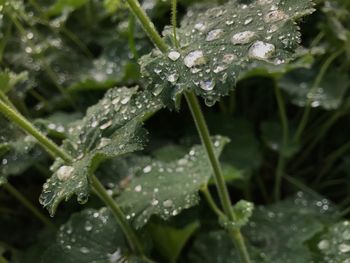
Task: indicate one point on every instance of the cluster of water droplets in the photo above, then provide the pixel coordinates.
(334, 245)
(165, 189)
(85, 234)
(218, 45)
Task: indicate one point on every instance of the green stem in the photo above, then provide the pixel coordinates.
(218, 176)
(131, 31)
(148, 26)
(5, 99)
(202, 130)
(211, 202)
(285, 137)
(24, 201)
(174, 21)
(23, 123)
(307, 110)
(118, 214)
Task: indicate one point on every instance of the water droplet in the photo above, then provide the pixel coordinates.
(106, 125)
(168, 203)
(344, 248)
(323, 244)
(219, 69)
(229, 58)
(248, 21)
(115, 257)
(104, 142)
(207, 85)
(157, 89)
(172, 77)
(84, 250)
(64, 172)
(125, 100)
(155, 202)
(88, 226)
(274, 16)
(214, 34)
(147, 169)
(261, 50)
(241, 38)
(194, 58)
(173, 55)
(346, 234)
(200, 27)
(138, 188)
(209, 101)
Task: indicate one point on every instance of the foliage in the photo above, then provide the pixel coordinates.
(274, 75)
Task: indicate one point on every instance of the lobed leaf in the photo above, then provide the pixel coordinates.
(275, 233)
(166, 188)
(222, 44)
(329, 94)
(88, 236)
(111, 128)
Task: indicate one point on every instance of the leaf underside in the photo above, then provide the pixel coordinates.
(110, 129)
(166, 188)
(220, 45)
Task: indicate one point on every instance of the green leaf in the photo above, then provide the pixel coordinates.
(334, 244)
(18, 151)
(9, 79)
(165, 189)
(88, 236)
(112, 5)
(221, 44)
(169, 240)
(243, 151)
(111, 128)
(272, 135)
(61, 6)
(299, 85)
(275, 234)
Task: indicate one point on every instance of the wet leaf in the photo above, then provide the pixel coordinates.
(88, 236)
(275, 233)
(219, 45)
(334, 244)
(165, 189)
(61, 6)
(328, 95)
(18, 151)
(9, 79)
(272, 135)
(111, 128)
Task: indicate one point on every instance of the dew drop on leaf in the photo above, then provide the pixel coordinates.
(173, 55)
(64, 172)
(214, 34)
(261, 50)
(274, 16)
(241, 38)
(207, 85)
(168, 203)
(194, 58)
(323, 244)
(147, 169)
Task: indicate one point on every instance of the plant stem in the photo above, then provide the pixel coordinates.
(174, 21)
(203, 133)
(131, 38)
(211, 201)
(56, 151)
(218, 177)
(5, 99)
(24, 201)
(285, 137)
(23, 123)
(118, 214)
(307, 110)
(148, 26)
